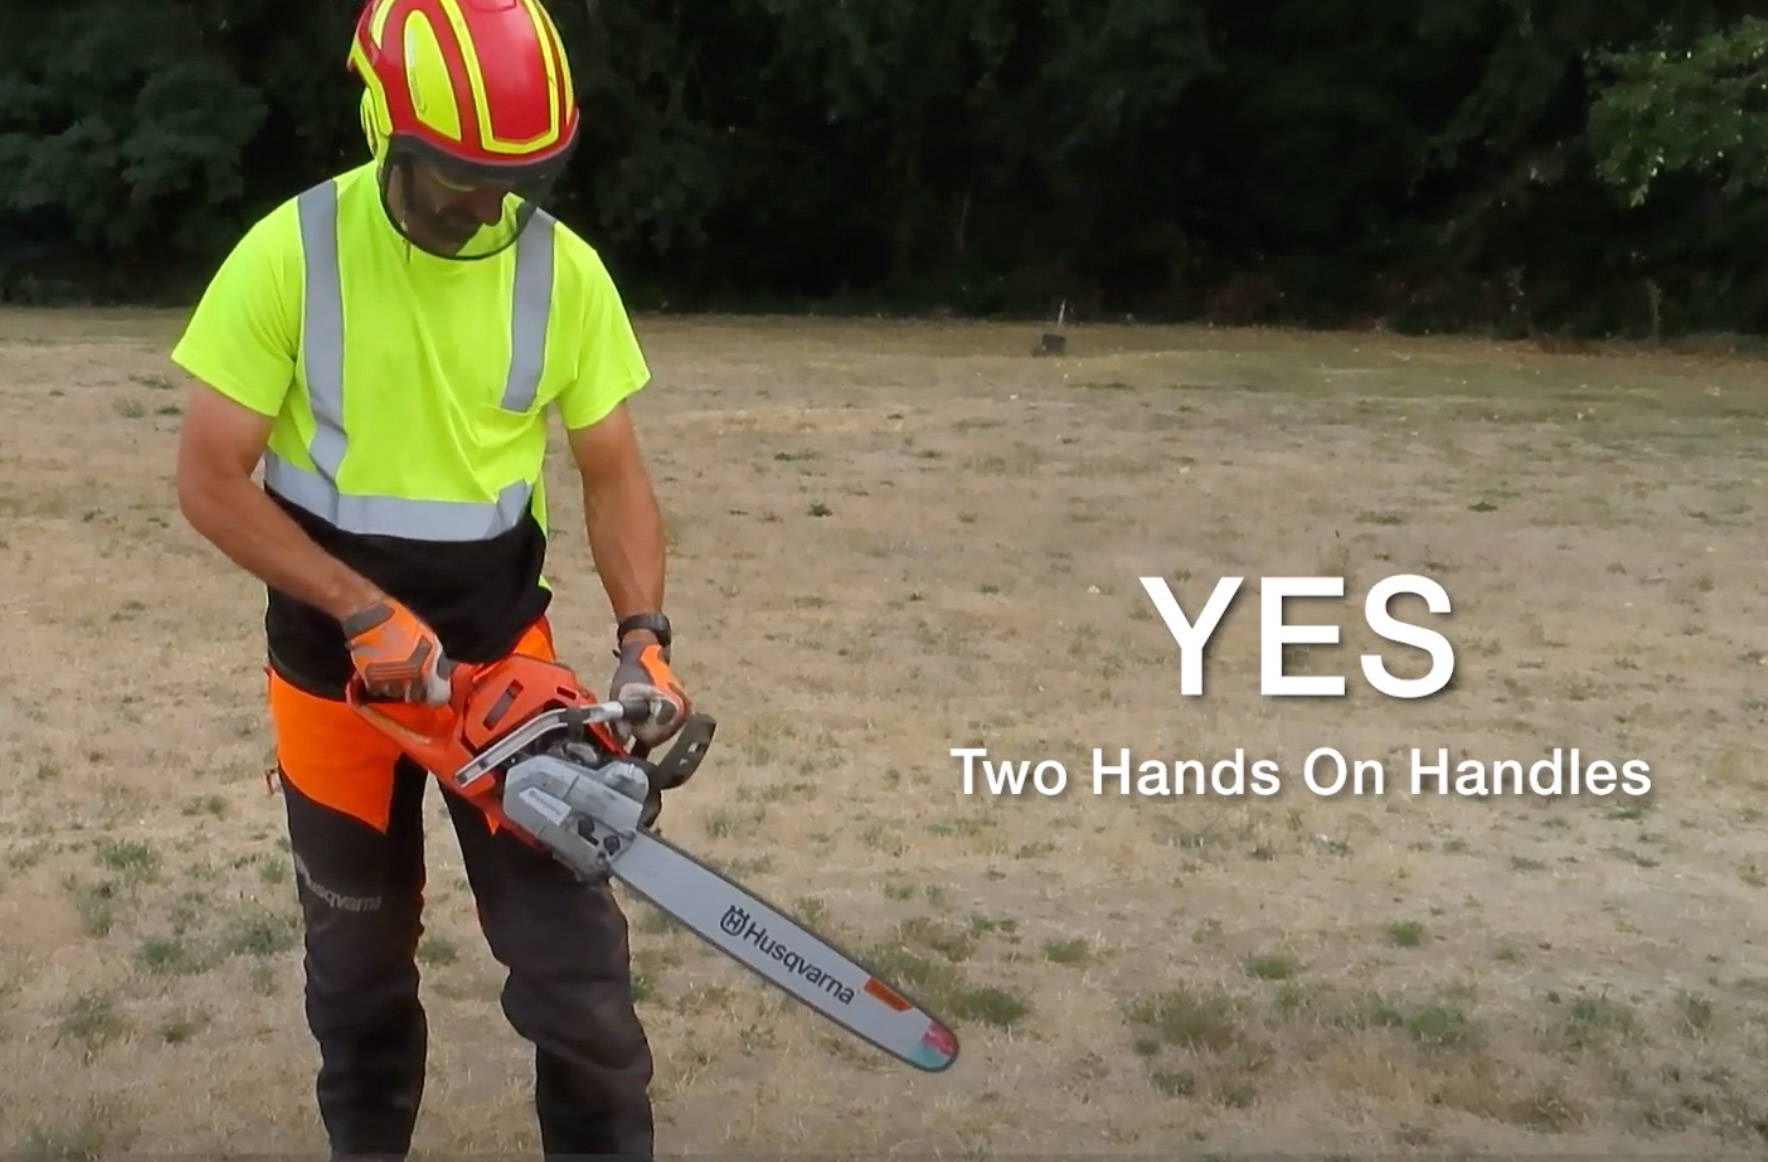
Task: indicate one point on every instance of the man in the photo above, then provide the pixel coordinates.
(387, 344)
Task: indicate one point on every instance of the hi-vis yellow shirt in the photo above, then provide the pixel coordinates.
(409, 397)
(409, 391)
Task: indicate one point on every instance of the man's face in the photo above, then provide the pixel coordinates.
(444, 213)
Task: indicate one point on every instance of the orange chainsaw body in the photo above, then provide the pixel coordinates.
(486, 703)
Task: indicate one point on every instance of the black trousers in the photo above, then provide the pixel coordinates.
(567, 991)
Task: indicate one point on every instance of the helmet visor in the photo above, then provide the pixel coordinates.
(454, 209)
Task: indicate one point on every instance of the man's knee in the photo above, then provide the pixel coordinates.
(570, 978)
(575, 935)
(565, 944)
(587, 1020)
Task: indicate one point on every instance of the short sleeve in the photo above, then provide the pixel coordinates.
(243, 338)
(610, 364)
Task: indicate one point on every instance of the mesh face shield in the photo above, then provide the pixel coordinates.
(460, 210)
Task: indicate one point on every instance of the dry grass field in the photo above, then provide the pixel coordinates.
(893, 539)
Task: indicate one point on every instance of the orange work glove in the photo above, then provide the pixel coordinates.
(644, 672)
(396, 655)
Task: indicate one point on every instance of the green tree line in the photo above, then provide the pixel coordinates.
(1513, 166)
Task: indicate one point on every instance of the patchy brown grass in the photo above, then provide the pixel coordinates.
(895, 539)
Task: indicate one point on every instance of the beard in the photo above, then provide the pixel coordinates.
(456, 226)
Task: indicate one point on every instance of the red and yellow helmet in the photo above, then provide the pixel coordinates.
(470, 106)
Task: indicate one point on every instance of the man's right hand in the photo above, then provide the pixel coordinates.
(396, 655)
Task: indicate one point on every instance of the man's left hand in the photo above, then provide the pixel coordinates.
(644, 672)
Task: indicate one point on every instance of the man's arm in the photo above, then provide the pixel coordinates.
(625, 527)
(622, 517)
(219, 446)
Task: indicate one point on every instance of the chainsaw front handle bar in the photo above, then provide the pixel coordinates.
(625, 710)
(460, 678)
(462, 675)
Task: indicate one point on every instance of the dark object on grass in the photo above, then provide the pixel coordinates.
(1054, 342)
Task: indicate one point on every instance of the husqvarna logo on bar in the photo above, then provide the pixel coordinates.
(735, 920)
(738, 923)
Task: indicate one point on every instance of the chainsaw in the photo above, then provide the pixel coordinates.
(526, 744)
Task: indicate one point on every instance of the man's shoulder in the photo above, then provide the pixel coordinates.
(570, 245)
(353, 190)
(581, 267)
(279, 227)
(274, 229)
